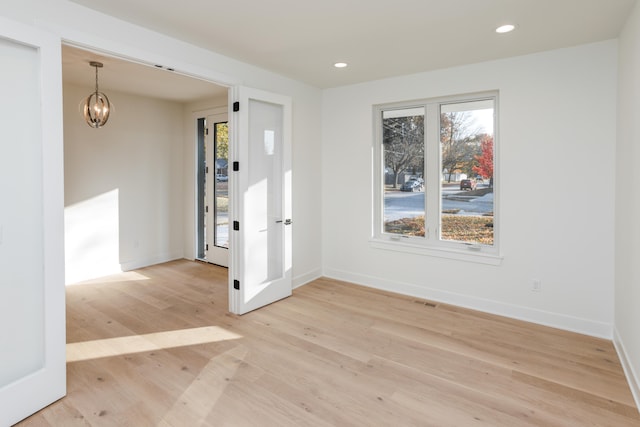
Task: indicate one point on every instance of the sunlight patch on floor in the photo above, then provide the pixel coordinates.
(127, 276)
(198, 400)
(109, 347)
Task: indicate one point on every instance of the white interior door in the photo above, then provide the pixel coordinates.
(32, 318)
(260, 184)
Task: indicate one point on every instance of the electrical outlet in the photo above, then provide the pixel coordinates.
(536, 285)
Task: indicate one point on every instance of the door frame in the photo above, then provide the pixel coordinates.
(124, 52)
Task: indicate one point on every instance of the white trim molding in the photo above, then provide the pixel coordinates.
(305, 278)
(632, 376)
(150, 260)
(541, 317)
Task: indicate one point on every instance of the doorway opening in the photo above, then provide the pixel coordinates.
(148, 153)
(130, 187)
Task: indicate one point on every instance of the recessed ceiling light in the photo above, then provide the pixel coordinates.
(505, 28)
(340, 64)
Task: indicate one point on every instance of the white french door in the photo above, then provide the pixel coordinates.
(260, 187)
(32, 317)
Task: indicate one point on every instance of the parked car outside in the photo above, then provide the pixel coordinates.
(221, 178)
(467, 184)
(412, 185)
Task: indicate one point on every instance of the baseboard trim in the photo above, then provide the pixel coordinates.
(303, 279)
(632, 376)
(146, 262)
(555, 320)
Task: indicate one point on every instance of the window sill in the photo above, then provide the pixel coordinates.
(468, 255)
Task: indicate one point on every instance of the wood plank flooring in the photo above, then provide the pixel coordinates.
(157, 347)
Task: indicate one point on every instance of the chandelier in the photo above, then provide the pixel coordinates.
(96, 107)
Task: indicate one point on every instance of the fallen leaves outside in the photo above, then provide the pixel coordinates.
(460, 228)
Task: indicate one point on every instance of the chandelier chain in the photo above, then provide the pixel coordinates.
(96, 78)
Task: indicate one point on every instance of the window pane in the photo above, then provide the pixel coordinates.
(264, 203)
(403, 163)
(466, 143)
(222, 185)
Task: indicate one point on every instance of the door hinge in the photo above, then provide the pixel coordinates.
(206, 169)
(206, 247)
(236, 225)
(206, 209)
(236, 166)
(206, 131)
(236, 106)
(236, 284)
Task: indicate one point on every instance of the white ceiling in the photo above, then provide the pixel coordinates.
(378, 38)
(130, 77)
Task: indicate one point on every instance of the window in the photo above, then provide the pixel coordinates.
(435, 177)
(221, 147)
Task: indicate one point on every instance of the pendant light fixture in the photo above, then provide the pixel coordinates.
(96, 107)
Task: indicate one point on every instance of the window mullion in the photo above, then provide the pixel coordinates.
(378, 175)
(433, 175)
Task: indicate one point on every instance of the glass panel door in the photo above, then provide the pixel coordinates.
(32, 327)
(212, 228)
(261, 206)
(217, 190)
(21, 221)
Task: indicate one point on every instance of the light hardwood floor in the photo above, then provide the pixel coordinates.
(157, 347)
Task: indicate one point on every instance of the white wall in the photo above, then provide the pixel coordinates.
(84, 27)
(557, 118)
(123, 185)
(627, 270)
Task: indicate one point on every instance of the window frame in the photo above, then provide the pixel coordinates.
(431, 244)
